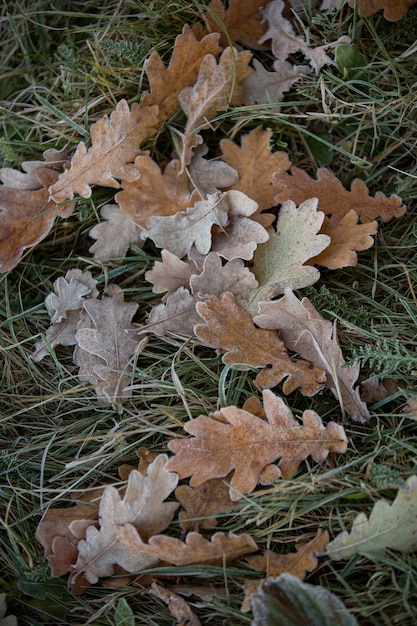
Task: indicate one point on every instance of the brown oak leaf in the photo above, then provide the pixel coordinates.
(295, 563)
(178, 607)
(115, 234)
(176, 315)
(228, 327)
(333, 198)
(104, 348)
(210, 176)
(306, 332)
(115, 143)
(394, 10)
(170, 274)
(241, 21)
(182, 71)
(247, 444)
(26, 211)
(346, 238)
(154, 192)
(263, 87)
(202, 503)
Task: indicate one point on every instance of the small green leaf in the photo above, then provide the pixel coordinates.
(123, 615)
(348, 59)
(287, 601)
(320, 148)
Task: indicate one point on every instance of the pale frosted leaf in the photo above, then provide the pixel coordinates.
(170, 274)
(114, 235)
(68, 296)
(216, 278)
(176, 315)
(263, 87)
(210, 176)
(62, 334)
(202, 503)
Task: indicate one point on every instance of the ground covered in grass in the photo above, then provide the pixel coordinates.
(62, 69)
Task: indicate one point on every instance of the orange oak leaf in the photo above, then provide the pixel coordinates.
(115, 143)
(182, 71)
(228, 327)
(295, 563)
(333, 198)
(178, 607)
(305, 331)
(115, 234)
(26, 212)
(154, 192)
(346, 238)
(394, 10)
(263, 87)
(242, 22)
(255, 163)
(202, 503)
(248, 444)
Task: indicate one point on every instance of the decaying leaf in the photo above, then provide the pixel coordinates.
(104, 348)
(279, 263)
(115, 234)
(263, 87)
(154, 192)
(288, 601)
(333, 198)
(182, 71)
(248, 444)
(391, 525)
(202, 503)
(26, 211)
(210, 176)
(228, 327)
(394, 10)
(176, 315)
(305, 331)
(170, 274)
(295, 563)
(178, 607)
(115, 142)
(217, 278)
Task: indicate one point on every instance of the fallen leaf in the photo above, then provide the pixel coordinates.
(114, 235)
(294, 563)
(247, 444)
(210, 176)
(305, 331)
(263, 87)
(202, 503)
(391, 525)
(26, 212)
(104, 348)
(216, 278)
(241, 22)
(170, 274)
(228, 327)
(394, 10)
(182, 71)
(279, 263)
(288, 601)
(346, 238)
(333, 198)
(115, 143)
(156, 193)
(178, 607)
(176, 315)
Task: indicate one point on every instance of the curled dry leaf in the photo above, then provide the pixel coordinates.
(115, 234)
(228, 327)
(394, 10)
(333, 198)
(305, 331)
(295, 563)
(247, 444)
(115, 143)
(26, 211)
(263, 87)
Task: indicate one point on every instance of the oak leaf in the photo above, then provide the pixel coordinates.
(241, 21)
(263, 87)
(346, 238)
(305, 331)
(295, 563)
(178, 607)
(114, 235)
(182, 71)
(248, 444)
(391, 525)
(104, 347)
(210, 176)
(170, 274)
(201, 503)
(394, 10)
(154, 192)
(279, 263)
(228, 327)
(333, 198)
(115, 143)
(26, 212)
(216, 278)
(176, 315)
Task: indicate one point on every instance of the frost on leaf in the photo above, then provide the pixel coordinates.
(228, 327)
(170, 274)
(391, 525)
(394, 10)
(154, 192)
(104, 347)
(202, 503)
(279, 263)
(234, 439)
(178, 607)
(295, 563)
(182, 71)
(263, 87)
(115, 143)
(114, 235)
(306, 332)
(26, 211)
(210, 176)
(64, 306)
(333, 198)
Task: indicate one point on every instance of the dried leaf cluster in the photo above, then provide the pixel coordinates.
(230, 262)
